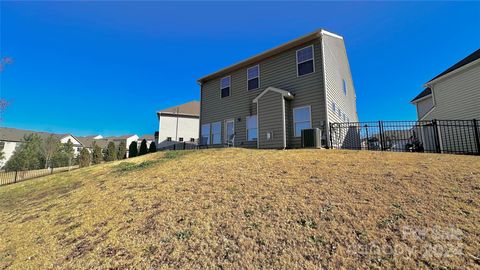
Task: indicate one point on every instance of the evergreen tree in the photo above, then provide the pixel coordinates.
(133, 150)
(84, 158)
(110, 152)
(97, 156)
(122, 150)
(143, 148)
(153, 148)
(63, 156)
(28, 155)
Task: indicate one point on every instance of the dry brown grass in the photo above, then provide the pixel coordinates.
(237, 208)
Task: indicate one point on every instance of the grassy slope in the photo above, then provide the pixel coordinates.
(246, 208)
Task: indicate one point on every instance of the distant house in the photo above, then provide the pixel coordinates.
(267, 100)
(128, 139)
(148, 138)
(89, 141)
(178, 124)
(453, 94)
(11, 138)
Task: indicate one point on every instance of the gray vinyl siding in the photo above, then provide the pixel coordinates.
(423, 106)
(457, 96)
(278, 71)
(337, 68)
(270, 110)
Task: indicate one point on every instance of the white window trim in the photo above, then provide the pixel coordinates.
(229, 86)
(313, 58)
(246, 128)
(258, 76)
(294, 120)
(225, 129)
(344, 87)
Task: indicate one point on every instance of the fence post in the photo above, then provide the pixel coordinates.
(477, 136)
(174, 146)
(15, 180)
(368, 140)
(51, 170)
(380, 127)
(435, 133)
(330, 135)
(184, 145)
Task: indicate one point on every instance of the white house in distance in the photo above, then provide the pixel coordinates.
(179, 124)
(11, 138)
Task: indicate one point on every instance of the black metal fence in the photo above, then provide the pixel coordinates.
(18, 176)
(435, 136)
(179, 146)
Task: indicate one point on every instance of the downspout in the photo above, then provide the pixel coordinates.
(327, 122)
(284, 125)
(200, 116)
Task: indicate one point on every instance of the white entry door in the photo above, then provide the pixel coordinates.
(230, 132)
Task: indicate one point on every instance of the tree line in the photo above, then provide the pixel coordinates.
(36, 153)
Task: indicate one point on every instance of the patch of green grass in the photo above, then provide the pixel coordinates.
(176, 154)
(183, 235)
(130, 166)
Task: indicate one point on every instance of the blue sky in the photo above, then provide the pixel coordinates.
(107, 67)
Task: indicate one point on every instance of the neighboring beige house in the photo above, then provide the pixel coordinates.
(453, 94)
(266, 100)
(178, 124)
(11, 138)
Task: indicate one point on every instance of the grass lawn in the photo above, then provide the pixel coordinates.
(238, 208)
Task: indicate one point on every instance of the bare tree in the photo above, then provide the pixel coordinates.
(50, 146)
(3, 102)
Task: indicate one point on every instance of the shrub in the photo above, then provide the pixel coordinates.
(153, 148)
(143, 148)
(97, 156)
(122, 150)
(133, 150)
(84, 158)
(110, 152)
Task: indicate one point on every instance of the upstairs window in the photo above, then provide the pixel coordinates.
(301, 119)
(334, 107)
(339, 113)
(192, 139)
(225, 86)
(344, 87)
(180, 139)
(217, 133)
(169, 139)
(253, 78)
(305, 61)
(252, 131)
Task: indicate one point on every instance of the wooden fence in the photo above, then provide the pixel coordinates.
(18, 176)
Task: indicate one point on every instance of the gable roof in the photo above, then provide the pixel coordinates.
(256, 58)
(467, 60)
(16, 135)
(427, 91)
(88, 141)
(191, 108)
(284, 93)
(147, 137)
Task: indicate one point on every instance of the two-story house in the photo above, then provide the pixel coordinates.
(178, 124)
(267, 100)
(452, 94)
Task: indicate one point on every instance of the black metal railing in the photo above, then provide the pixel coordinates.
(432, 136)
(179, 146)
